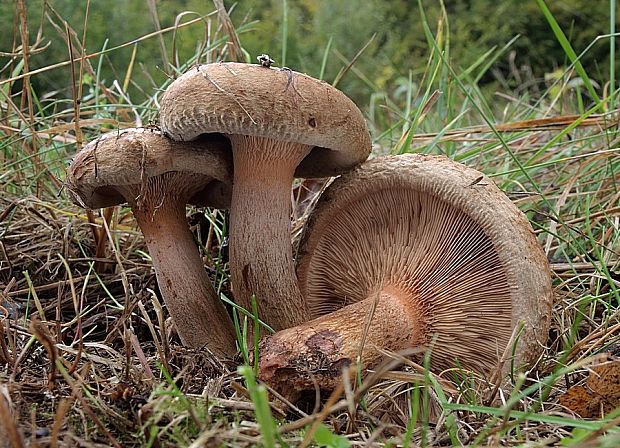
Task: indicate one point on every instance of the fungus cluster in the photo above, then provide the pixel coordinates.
(402, 251)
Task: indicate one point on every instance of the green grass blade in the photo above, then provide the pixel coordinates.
(284, 32)
(568, 49)
(325, 56)
(259, 397)
(612, 54)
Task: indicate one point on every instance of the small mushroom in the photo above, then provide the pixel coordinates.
(157, 177)
(409, 251)
(280, 123)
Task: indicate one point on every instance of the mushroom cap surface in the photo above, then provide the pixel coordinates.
(249, 99)
(131, 156)
(442, 234)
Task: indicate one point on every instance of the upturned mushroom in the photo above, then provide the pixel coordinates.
(157, 177)
(412, 251)
(280, 124)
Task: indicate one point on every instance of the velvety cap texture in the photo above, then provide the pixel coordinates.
(248, 99)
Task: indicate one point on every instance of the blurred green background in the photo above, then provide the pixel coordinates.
(398, 50)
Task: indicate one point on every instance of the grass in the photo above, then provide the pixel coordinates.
(87, 357)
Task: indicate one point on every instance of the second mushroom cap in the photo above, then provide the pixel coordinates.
(248, 99)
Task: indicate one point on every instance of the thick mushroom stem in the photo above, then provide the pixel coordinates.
(261, 257)
(183, 282)
(315, 352)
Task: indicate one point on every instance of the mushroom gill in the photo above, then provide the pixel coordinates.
(427, 252)
(408, 251)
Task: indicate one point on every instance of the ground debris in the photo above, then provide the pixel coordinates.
(601, 392)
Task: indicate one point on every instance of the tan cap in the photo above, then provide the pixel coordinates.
(130, 156)
(248, 99)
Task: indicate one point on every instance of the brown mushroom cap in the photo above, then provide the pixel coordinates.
(248, 99)
(280, 123)
(444, 253)
(130, 156)
(158, 177)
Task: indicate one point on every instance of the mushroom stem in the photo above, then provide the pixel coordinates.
(315, 352)
(183, 282)
(261, 256)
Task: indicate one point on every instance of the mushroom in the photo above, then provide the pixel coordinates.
(412, 251)
(280, 124)
(157, 177)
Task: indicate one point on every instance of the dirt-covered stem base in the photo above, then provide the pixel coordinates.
(315, 352)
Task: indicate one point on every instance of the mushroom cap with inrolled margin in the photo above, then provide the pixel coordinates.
(130, 156)
(247, 99)
(442, 234)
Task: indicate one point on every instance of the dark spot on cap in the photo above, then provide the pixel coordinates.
(312, 122)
